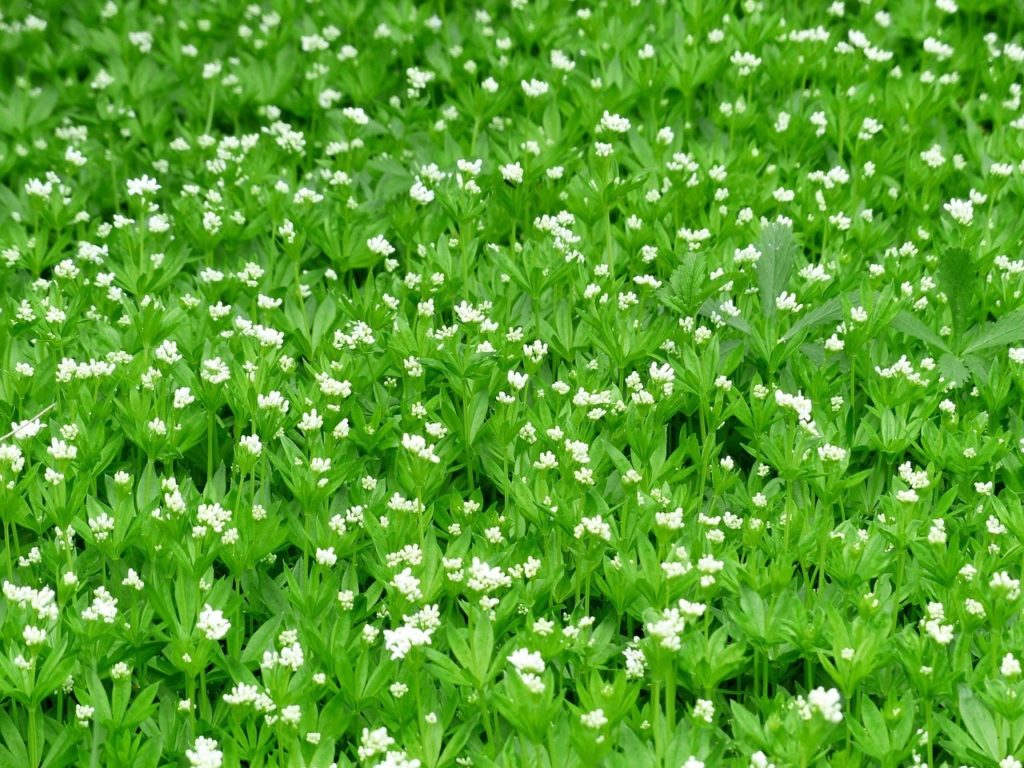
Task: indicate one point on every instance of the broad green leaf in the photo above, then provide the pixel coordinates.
(261, 640)
(874, 725)
(829, 312)
(774, 268)
(1006, 330)
(980, 724)
(746, 725)
(915, 328)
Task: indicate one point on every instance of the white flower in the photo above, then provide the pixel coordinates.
(534, 88)
(380, 246)
(183, 398)
(962, 211)
(526, 661)
(326, 557)
(142, 186)
(251, 444)
(103, 607)
(400, 641)
(595, 526)
(374, 742)
(1010, 666)
(613, 123)
(407, 584)
(512, 173)
(704, 710)
(1003, 582)
(205, 754)
(36, 635)
(786, 302)
(212, 623)
(418, 446)
(829, 452)
(826, 702)
(594, 719)
(421, 193)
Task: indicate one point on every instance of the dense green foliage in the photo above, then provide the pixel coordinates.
(539, 384)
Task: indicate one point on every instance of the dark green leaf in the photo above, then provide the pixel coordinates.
(957, 278)
(1006, 330)
(686, 287)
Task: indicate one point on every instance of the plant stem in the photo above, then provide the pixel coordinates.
(659, 739)
(670, 701)
(211, 439)
(33, 744)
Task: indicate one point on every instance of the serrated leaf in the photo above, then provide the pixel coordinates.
(686, 287)
(953, 369)
(957, 278)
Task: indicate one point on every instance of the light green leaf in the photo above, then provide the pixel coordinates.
(980, 724)
(774, 268)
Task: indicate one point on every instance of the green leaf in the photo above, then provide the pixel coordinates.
(483, 647)
(147, 493)
(957, 279)
(478, 414)
(980, 724)
(1006, 330)
(552, 121)
(915, 328)
(686, 287)
(13, 739)
(778, 249)
(953, 369)
(876, 730)
(323, 320)
(142, 707)
(261, 640)
(829, 312)
(746, 725)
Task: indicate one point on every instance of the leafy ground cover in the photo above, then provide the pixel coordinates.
(531, 383)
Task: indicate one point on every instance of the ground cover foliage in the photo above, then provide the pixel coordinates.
(521, 383)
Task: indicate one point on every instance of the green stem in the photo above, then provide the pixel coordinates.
(928, 729)
(659, 738)
(211, 438)
(33, 744)
(767, 673)
(203, 702)
(488, 726)
(8, 544)
(670, 701)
